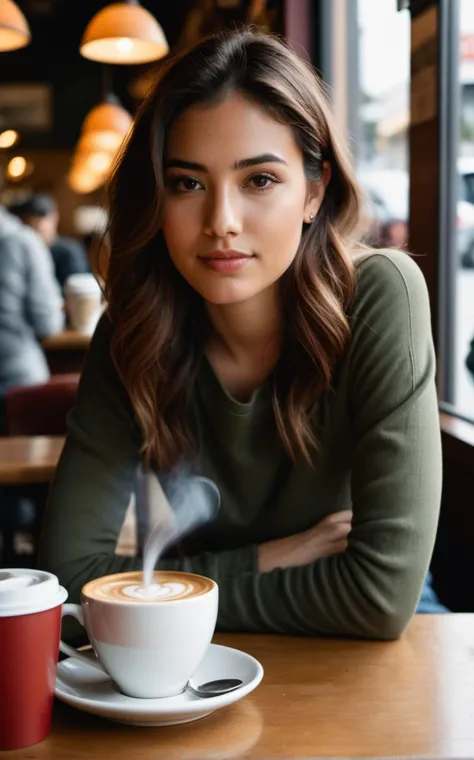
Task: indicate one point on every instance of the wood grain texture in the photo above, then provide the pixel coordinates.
(29, 459)
(66, 351)
(66, 341)
(319, 698)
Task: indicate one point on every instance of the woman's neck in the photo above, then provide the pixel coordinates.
(250, 328)
(245, 342)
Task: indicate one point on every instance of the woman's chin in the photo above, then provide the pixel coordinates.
(225, 296)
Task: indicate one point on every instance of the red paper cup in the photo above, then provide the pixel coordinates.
(30, 626)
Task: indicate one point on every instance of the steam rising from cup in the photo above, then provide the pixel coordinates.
(178, 504)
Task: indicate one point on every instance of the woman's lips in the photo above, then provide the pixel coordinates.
(225, 263)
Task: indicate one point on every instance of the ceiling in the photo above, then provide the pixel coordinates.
(76, 84)
(53, 57)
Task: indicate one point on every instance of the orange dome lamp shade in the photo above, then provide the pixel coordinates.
(103, 132)
(105, 141)
(105, 127)
(108, 116)
(82, 181)
(124, 33)
(14, 30)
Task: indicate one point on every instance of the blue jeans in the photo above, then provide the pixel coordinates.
(429, 603)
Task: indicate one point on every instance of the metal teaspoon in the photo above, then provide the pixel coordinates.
(215, 688)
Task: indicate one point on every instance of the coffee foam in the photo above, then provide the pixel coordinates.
(166, 587)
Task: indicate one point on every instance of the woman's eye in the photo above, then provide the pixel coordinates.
(184, 184)
(263, 181)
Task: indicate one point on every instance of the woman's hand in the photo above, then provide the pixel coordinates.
(327, 537)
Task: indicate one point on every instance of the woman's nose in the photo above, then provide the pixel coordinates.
(223, 216)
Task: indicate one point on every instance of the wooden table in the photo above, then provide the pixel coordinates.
(29, 459)
(319, 698)
(66, 351)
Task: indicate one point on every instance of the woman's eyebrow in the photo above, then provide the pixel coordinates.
(245, 163)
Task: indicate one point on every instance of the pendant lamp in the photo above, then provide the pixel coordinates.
(124, 33)
(14, 30)
(108, 116)
(102, 134)
(8, 138)
(83, 181)
(106, 141)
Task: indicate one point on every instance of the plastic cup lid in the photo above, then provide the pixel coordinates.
(82, 284)
(23, 592)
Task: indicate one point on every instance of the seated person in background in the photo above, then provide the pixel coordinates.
(470, 358)
(69, 256)
(394, 234)
(31, 306)
(250, 336)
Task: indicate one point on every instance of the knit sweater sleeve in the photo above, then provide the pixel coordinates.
(372, 589)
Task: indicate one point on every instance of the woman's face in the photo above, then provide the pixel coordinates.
(235, 200)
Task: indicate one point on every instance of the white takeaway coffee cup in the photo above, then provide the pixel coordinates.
(151, 643)
(83, 302)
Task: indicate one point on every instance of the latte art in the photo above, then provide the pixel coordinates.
(166, 587)
(156, 591)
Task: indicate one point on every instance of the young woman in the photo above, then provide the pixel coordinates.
(249, 335)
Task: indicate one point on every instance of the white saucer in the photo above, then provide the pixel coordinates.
(89, 690)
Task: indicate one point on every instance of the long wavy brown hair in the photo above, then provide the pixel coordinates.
(159, 322)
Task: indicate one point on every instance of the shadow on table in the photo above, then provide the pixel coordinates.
(226, 734)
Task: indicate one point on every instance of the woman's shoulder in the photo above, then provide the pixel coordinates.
(98, 357)
(388, 276)
(103, 333)
(391, 299)
(387, 264)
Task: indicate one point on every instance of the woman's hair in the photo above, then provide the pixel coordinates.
(159, 323)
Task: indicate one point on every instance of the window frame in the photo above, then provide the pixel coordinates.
(433, 149)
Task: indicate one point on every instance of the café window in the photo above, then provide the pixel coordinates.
(380, 131)
(462, 305)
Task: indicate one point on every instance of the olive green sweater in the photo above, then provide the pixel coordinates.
(380, 456)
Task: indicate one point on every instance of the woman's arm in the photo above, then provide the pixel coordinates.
(371, 590)
(96, 476)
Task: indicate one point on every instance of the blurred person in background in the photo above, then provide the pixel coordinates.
(31, 306)
(40, 211)
(394, 234)
(370, 231)
(470, 358)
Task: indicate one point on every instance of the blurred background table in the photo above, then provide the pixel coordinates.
(319, 698)
(66, 351)
(29, 459)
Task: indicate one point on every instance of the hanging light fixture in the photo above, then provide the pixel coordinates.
(82, 180)
(108, 116)
(98, 163)
(19, 167)
(99, 142)
(102, 134)
(105, 127)
(14, 30)
(89, 171)
(8, 138)
(124, 33)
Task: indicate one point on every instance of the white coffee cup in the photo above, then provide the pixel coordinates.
(83, 301)
(150, 646)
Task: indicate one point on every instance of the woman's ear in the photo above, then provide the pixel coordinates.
(316, 193)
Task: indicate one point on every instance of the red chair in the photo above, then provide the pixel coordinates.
(33, 410)
(41, 409)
